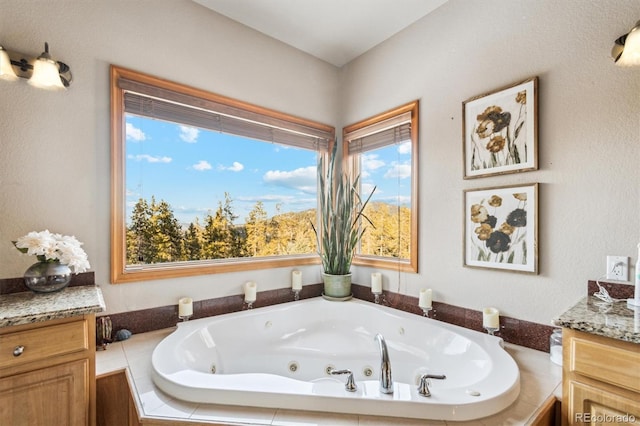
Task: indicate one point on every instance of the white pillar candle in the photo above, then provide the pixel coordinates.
(296, 280)
(185, 307)
(490, 318)
(425, 298)
(250, 291)
(376, 282)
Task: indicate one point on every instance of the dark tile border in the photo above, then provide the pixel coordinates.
(512, 330)
(16, 285)
(519, 332)
(615, 290)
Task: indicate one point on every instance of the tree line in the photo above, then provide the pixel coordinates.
(154, 234)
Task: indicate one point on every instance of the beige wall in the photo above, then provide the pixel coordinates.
(54, 167)
(589, 140)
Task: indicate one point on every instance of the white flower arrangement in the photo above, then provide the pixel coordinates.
(48, 247)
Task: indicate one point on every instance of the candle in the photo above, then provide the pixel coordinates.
(250, 290)
(490, 318)
(296, 280)
(376, 282)
(185, 307)
(425, 298)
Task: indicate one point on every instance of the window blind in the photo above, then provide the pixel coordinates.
(394, 130)
(163, 104)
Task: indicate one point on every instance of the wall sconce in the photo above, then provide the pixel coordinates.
(626, 48)
(43, 72)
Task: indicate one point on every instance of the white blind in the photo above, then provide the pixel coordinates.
(394, 130)
(163, 104)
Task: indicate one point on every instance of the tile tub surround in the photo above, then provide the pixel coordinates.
(28, 307)
(540, 379)
(16, 285)
(615, 290)
(512, 330)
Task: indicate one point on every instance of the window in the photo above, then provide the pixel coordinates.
(204, 184)
(384, 151)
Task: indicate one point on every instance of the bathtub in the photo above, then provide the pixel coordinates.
(280, 357)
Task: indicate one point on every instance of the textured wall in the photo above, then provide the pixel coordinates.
(54, 167)
(589, 139)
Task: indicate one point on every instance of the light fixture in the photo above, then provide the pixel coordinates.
(6, 70)
(46, 74)
(43, 72)
(626, 48)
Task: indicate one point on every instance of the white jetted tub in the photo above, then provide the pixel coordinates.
(281, 357)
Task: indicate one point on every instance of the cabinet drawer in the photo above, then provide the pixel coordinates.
(611, 362)
(43, 342)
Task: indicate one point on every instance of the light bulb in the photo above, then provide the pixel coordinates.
(6, 69)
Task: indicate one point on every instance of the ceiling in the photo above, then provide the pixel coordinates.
(335, 31)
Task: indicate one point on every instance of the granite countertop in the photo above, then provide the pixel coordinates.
(29, 307)
(592, 315)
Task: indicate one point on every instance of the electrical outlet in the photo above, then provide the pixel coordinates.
(618, 268)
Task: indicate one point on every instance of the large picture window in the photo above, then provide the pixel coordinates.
(384, 151)
(205, 184)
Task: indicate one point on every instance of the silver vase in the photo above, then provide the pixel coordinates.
(46, 277)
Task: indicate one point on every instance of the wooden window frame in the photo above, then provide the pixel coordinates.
(405, 265)
(120, 273)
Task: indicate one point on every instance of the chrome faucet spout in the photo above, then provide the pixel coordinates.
(386, 381)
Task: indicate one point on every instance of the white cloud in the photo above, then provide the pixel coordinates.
(189, 134)
(370, 162)
(302, 179)
(405, 148)
(134, 134)
(202, 165)
(150, 158)
(398, 170)
(235, 167)
(365, 190)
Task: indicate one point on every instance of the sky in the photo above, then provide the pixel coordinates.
(191, 169)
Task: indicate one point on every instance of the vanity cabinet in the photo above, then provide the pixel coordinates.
(47, 373)
(601, 380)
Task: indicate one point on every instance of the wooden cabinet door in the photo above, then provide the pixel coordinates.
(51, 396)
(591, 405)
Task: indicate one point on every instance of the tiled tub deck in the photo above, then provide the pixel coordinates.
(540, 379)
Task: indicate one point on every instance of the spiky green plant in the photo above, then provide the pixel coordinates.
(341, 214)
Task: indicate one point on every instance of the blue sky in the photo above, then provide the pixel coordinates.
(192, 168)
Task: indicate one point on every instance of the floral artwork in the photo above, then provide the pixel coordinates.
(500, 131)
(501, 228)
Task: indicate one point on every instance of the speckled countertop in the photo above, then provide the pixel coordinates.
(29, 307)
(615, 320)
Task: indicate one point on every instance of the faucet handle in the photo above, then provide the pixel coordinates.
(350, 386)
(423, 386)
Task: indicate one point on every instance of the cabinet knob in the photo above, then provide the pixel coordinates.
(17, 351)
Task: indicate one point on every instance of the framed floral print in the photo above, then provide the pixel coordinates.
(500, 131)
(501, 228)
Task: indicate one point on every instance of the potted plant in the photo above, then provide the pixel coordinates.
(341, 213)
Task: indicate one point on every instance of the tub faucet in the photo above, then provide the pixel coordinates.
(386, 382)
(423, 386)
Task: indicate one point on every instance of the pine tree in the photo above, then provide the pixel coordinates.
(256, 227)
(167, 235)
(193, 241)
(140, 248)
